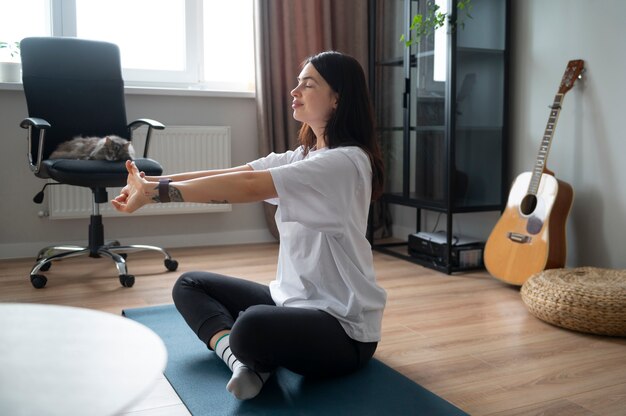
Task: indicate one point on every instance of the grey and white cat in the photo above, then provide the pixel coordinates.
(113, 148)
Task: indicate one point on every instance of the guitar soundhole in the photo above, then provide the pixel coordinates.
(528, 205)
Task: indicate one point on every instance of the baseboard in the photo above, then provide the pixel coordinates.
(30, 249)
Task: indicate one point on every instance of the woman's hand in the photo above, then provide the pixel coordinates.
(137, 192)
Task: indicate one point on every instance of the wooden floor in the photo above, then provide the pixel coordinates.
(466, 337)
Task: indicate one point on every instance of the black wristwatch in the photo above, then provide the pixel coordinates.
(164, 190)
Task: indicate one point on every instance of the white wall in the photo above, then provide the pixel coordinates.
(588, 148)
(23, 233)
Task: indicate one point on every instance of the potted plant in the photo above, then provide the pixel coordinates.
(426, 24)
(10, 62)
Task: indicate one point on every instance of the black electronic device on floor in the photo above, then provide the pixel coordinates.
(466, 252)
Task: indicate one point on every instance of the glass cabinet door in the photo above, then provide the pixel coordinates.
(428, 106)
(479, 101)
(439, 106)
(389, 81)
(457, 84)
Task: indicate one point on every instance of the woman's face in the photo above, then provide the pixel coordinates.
(313, 99)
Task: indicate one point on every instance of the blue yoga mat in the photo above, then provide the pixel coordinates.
(200, 378)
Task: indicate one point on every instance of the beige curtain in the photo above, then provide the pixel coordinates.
(287, 32)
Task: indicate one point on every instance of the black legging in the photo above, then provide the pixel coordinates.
(264, 336)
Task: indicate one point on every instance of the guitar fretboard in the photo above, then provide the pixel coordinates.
(544, 149)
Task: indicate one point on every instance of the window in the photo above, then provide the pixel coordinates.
(203, 43)
(229, 37)
(24, 18)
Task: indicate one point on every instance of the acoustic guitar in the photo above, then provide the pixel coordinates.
(530, 235)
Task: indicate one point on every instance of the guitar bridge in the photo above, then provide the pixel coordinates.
(518, 238)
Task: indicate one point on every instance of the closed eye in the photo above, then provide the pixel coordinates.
(309, 82)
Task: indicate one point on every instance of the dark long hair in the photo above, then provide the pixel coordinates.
(352, 122)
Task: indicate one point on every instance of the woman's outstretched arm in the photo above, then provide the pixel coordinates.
(234, 186)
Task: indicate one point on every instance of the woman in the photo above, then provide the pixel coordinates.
(322, 314)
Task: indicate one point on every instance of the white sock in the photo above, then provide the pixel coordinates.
(245, 382)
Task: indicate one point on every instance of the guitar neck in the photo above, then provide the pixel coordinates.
(544, 149)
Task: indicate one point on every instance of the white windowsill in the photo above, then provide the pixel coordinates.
(11, 86)
(189, 91)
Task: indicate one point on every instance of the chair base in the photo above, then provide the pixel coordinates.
(96, 248)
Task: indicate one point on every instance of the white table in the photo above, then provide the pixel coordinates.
(59, 360)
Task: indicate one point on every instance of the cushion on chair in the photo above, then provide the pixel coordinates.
(585, 299)
(94, 173)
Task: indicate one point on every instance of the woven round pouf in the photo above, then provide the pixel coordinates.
(585, 299)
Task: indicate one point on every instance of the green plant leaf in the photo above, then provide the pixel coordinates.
(425, 25)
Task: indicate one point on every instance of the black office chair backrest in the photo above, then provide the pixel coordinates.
(75, 85)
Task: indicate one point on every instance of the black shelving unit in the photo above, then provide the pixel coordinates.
(441, 112)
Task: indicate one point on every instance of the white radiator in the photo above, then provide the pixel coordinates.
(177, 149)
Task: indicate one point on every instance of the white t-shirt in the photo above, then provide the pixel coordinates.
(325, 260)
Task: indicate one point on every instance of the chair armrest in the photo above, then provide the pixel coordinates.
(39, 123)
(42, 125)
(152, 124)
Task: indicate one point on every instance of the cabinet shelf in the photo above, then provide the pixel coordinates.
(460, 128)
(387, 129)
(416, 201)
(480, 51)
(413, 58)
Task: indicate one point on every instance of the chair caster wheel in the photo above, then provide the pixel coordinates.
(46, 266)
(171, 265)
(38, 281)
(127, 280)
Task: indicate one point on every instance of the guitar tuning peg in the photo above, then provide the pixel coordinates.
(580, 76)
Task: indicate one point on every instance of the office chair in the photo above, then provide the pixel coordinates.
(74, 87)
